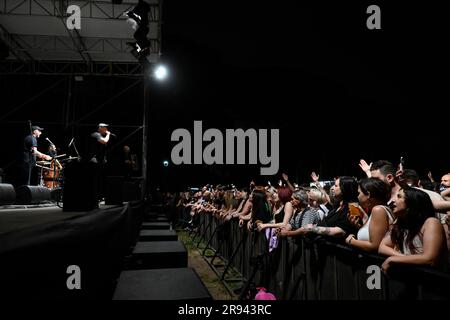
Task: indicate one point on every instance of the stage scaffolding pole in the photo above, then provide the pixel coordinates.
(145, 121)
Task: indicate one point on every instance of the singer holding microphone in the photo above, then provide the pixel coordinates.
(29, 156)
(98, 146)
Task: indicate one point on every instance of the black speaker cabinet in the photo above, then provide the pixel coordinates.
(81, 186)
(32, 194)
(7, 194)
(132, 189)
(114, 190)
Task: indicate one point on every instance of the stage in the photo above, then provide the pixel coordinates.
(39, 244)
(17, 217)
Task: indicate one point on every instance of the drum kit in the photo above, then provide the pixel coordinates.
(52, 172)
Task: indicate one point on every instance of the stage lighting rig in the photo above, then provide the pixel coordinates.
(138, 20)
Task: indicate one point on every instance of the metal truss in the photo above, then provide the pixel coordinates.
(71, 68)
(15, 47)
(89, 9)
(103, 40)
(61, 43)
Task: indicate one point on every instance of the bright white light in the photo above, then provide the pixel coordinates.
(161, 72)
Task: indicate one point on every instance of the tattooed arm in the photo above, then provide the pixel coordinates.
(326, 231)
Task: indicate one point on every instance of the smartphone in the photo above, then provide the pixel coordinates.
(401, 166)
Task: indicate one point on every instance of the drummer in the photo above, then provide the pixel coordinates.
(30, 153)
(52, 175)
(52, 152)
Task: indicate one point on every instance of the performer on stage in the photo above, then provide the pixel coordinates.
(98, 154)
(29, 155)
(52, 152)
(129, 163)
(98, 144)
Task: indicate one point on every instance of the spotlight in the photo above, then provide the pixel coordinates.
(165, 163)
(160, 72)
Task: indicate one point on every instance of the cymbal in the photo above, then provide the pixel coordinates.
(70, 158)
(43, 167)
(43, 163)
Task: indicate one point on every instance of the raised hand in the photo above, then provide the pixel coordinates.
(285, 177)
(430, 176)
(365, 167)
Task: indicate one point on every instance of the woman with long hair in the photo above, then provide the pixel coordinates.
(282, 210)
(417, 236)
(260, 210)
(373, 197)
(336, 223)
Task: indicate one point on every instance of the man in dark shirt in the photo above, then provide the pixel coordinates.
(30, 153)
(98, 143)
(129, 162)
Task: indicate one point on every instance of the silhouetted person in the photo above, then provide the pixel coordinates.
(30, 153)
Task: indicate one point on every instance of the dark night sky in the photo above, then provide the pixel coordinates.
(336, 90)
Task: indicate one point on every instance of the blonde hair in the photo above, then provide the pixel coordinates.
(318, 195)
(228, 198)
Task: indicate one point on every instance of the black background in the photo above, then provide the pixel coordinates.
(337, 91)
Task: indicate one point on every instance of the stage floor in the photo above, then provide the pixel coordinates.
(14, 218)
(39, 243)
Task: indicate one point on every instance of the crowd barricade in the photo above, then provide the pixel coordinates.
(305, 268)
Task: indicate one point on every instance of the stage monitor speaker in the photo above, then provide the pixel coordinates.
(81, 186)
(32, 194)
(7, 194)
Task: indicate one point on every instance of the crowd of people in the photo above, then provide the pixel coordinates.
(390, 211)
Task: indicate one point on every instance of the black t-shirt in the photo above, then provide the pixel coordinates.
(129, 163)
(97, 150)
(339, 219)
(279, 217)
(264, 214)
(30, 142)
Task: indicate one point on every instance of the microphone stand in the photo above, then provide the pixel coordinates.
(50, 141)
(76, 150)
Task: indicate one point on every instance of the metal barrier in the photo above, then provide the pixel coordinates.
(305, 268)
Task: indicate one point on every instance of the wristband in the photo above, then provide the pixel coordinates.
(350, 241)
